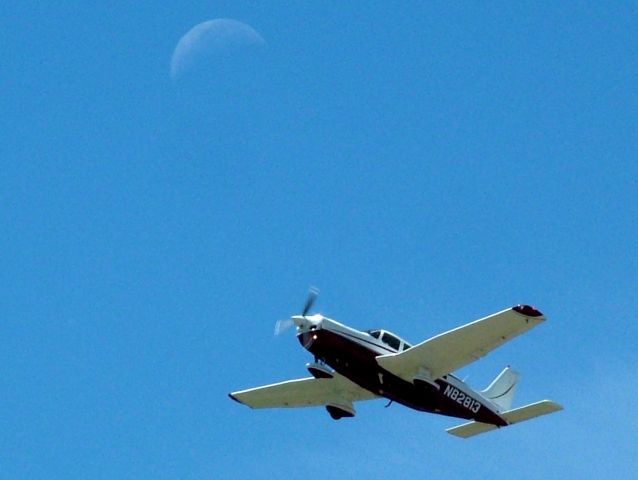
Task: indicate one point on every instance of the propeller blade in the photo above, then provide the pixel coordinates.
(282, 325)
(312, 296)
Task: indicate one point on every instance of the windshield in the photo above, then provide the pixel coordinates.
(375, 333)
(391, 340)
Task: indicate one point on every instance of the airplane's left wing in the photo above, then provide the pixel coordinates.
(304, 392)
(455, 348)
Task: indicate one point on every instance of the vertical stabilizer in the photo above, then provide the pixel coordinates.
(501, 390)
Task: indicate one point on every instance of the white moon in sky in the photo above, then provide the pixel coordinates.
(213, 37)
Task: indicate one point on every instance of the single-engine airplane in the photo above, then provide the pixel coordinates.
(351, 365)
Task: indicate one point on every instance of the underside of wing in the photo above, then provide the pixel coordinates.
(304, 392)
(456, 348)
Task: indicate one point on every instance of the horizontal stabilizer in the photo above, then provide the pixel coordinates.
(516, 415)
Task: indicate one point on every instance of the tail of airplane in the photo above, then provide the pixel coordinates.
(501, 390)
(501, 393)
(516, 415)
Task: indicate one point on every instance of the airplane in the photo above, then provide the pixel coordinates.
(351, 365)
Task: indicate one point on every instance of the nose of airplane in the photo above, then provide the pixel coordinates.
(298, 320)
(304, 323)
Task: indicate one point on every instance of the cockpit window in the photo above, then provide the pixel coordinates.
(391, 340)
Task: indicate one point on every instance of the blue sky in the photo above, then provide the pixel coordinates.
(423, 164)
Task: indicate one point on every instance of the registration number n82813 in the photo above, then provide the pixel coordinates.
(462, 399)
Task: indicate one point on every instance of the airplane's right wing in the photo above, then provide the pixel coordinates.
(456, 348)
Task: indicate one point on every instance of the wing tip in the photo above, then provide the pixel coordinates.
(233, 397)
(554, 406)
(527, 310)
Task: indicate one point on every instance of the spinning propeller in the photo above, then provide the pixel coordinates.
(282, 325)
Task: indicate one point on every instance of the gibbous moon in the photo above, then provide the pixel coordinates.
(208, 39)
